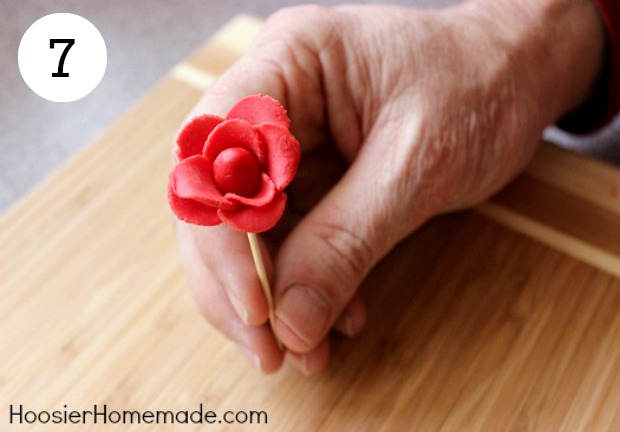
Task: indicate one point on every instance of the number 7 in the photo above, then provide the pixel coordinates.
(61, 62)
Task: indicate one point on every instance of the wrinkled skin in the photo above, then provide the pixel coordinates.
(430, 111)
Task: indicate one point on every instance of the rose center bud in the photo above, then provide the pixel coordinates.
(237, 171)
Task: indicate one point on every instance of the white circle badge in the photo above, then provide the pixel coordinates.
(62, 57)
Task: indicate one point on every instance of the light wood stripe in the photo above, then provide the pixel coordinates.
(591, 180)
(562, 210)
(549, 236)
(217, 55)
(192, 76)
(244, 28)
(194, 71)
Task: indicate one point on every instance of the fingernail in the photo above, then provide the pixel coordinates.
(252, 357)
(239, 308)
(305, 312)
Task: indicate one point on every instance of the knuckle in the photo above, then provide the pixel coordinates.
(309, 25)
(351, 249)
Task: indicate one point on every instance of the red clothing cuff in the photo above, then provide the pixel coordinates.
(604, 103)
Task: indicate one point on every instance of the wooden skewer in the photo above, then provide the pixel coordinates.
(264, 281)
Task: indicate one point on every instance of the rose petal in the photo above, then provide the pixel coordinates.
(192, 179)
(262, 198)
(234, 133)
(256, 219)
(258, 109)
(191, 139)
(191, 211)
(283, 153)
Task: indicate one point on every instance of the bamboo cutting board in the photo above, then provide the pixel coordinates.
(506, 317)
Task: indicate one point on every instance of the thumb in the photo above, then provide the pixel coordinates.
(323, 261)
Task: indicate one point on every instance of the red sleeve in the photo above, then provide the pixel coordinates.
(604, 103)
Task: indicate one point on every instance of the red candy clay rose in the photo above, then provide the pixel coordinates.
(233, 169)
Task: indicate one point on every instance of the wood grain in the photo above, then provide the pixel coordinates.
(501, 318)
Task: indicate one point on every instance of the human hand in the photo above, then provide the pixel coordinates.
(433, 112)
